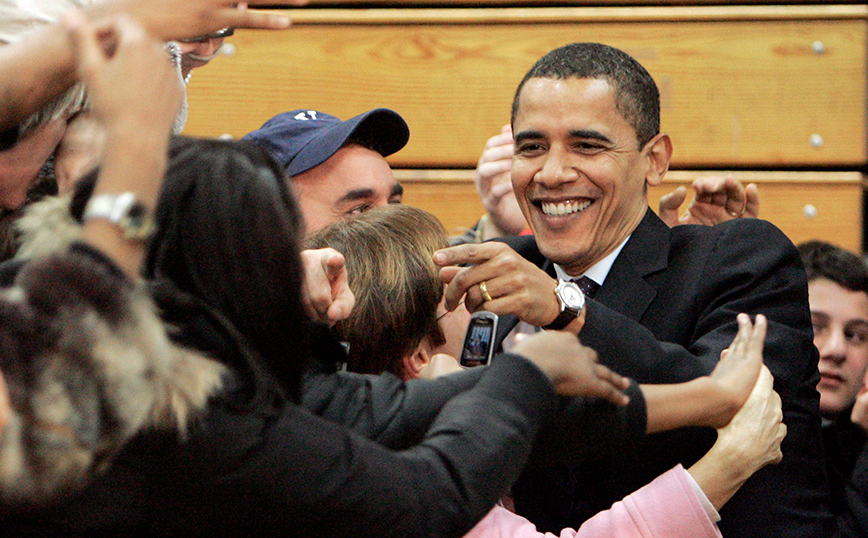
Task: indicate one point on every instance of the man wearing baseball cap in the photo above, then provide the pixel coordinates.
(338, 167)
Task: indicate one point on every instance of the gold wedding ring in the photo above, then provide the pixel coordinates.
(484, 291)
(736, 214)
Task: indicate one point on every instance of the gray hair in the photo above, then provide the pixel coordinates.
(21, 17)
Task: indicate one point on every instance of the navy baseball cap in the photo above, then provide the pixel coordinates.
(302, 139)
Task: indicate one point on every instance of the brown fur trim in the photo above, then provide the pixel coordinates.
(46, 227)
(89, 365)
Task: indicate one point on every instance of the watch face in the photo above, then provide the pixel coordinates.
(572, 295)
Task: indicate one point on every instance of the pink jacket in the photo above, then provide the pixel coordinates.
(666, 508)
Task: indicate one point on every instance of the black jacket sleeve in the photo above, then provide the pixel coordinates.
(397, 414)
(291, 473)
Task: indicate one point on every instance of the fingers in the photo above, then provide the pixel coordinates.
(88, 54)
(735, 196)
(243, 18)
(859, 415)
(758, 335)
(669, 204)
(612, 390)
(724, 191)
(492, 170)
(752, 201)
(463, 279)
(327, 295)
(502, 139)
(469, 253)
(780, 429)
(341, 300)
(602, 383)
(777, 454)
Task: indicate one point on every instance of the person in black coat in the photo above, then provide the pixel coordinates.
(657, 304)
(120, 422)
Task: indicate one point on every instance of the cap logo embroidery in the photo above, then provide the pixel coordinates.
(306, 116)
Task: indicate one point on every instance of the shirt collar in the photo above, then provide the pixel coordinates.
(597, 272)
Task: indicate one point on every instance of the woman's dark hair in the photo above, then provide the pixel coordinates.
(228, 233)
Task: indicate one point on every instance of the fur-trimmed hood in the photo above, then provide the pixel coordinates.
(46, 227)
(88, 364)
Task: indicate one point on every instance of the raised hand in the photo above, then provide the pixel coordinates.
(180, 19)
(735, 374)
(493, 183)
(513, 284)
(716, 199)
(327, 294)
(747, 444)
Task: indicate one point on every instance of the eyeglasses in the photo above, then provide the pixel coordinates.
(219, 34)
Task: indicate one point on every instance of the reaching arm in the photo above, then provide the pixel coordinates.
(43, 63)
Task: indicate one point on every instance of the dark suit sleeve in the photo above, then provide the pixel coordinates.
(748, 268)
(382, 407)
(296, 474)
(743, 266)
(397, 414)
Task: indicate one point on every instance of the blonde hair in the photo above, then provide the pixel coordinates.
(21, 17)
(388, 252)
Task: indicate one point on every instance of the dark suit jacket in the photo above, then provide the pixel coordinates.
(663, 315)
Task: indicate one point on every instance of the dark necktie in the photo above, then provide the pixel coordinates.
(588, 286)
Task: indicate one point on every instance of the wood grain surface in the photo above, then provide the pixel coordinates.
(805, 205)
(751, 87)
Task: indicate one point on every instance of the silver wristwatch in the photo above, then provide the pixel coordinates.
(571, 300)
(124, 210)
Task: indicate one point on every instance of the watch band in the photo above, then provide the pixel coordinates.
(124, 210)
(571, 301)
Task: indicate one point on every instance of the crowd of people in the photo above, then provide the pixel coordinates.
(255, 337)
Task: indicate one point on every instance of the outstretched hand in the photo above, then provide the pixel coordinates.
(184, 19)
(748, 443)
(513, 284)
(327, 294)
(757, 430)
(716, 199)
(131, 84)
(736, 372)
(494, 185)
(859, 415)
(572, 367)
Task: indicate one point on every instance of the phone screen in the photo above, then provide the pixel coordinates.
(478, 342)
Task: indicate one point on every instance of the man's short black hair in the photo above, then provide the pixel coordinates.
(824, 260)
(636, 94)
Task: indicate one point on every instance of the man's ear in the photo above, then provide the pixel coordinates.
(417, 360)
(658, 151)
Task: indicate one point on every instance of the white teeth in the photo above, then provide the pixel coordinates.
(562, 208)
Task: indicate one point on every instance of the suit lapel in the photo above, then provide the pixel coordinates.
(626, 291)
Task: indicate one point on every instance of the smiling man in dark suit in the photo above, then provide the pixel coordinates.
(587, 147)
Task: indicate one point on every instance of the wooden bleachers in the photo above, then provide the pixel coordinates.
(774, 88)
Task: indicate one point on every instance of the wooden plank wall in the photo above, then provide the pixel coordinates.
(750, 87)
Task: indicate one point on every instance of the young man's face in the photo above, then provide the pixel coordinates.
(353, 180)
(840, 319)
(578, 172)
